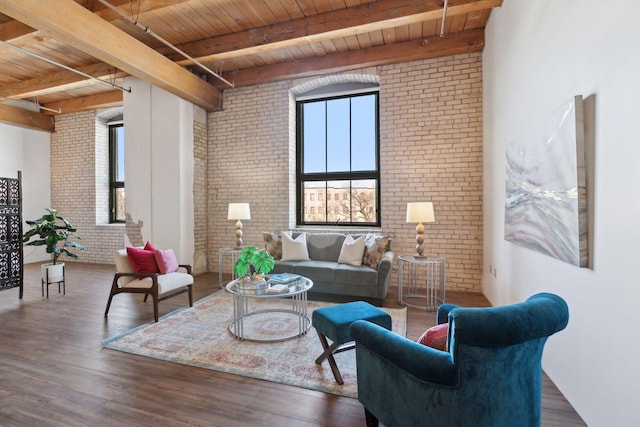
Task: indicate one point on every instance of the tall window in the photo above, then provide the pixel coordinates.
(338, 152)
(116, 173)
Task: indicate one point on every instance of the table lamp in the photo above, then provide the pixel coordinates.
(420, 212)
(238, 211)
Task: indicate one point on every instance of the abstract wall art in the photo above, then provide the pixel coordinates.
(546, 196)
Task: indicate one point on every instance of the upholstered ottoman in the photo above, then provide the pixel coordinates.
(334, 322)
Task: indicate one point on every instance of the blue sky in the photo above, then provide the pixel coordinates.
(346, 148)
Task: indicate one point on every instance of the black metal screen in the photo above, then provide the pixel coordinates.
(11, 262)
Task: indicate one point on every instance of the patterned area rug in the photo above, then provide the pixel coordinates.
(200, 336)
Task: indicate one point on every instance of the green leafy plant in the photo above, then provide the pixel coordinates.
(53, 231)
(252, 260)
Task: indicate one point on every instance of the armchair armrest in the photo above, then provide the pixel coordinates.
(442, 315)
(424, 363)
(186, 267)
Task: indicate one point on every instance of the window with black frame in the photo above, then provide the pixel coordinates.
(116, 173)
(338, 160)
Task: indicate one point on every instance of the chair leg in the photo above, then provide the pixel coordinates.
(155, 307)
(190, 296)
(108, 304)
(371, 419)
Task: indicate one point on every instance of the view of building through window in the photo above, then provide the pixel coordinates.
(340, 201)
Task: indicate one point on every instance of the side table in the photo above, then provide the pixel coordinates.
(234, 253)
(421, 278)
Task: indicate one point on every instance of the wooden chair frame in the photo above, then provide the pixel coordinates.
(152, 290)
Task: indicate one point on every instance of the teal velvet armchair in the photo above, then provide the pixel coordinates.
(491, 374)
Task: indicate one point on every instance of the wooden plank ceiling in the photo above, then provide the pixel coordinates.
(246, 42)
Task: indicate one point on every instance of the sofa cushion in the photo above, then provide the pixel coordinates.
(325, 246)
(374, 250)
(352, 251)
(322, 271)
(294, 249)
(166, 282)
(361, 275)
(272, 244)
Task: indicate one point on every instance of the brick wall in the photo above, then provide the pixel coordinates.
(248, 162)
(431, 150)
(431, 133)
(77, 183)
(200, 183)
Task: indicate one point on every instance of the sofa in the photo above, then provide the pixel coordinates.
(361, 275)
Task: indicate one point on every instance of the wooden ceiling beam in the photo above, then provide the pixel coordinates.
(465, 42)
(13, 29)
(71, 23)
(112, 98)
(59, 81)
(25, 118)
(341, 23)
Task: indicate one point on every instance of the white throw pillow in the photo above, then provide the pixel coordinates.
(352, 250)
(294, 249)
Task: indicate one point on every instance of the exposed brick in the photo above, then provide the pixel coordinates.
(431, 149)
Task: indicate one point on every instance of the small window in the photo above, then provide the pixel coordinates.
(116, 173)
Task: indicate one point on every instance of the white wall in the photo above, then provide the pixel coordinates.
(159, 167)
(28, 151)
(539, 54)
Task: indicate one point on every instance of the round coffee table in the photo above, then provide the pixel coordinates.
(297, 291)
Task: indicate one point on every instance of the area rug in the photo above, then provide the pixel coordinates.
(200, 336)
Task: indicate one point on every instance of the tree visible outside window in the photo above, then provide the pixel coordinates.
(116, 173)
(338, 153)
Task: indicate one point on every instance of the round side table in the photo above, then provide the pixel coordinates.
(421, 281)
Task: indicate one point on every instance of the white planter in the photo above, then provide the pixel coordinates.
(52, 273)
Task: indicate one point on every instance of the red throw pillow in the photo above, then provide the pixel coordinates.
(166, 260)
(141, 260)
(149, 247)
(436, 337)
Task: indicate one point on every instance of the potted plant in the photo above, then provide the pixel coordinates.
(253, 264)
(54, 232)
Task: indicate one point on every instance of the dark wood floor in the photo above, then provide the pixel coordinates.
(54, 371)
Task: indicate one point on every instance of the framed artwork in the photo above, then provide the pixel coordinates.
(546, 197)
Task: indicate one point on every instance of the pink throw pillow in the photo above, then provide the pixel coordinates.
(166, 260)
(141, 260)
(436, 337)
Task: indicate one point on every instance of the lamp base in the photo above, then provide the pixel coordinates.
(420, 239)
(238, 234)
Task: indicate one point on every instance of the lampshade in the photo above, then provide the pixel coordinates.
(239, 211)
(420, 212)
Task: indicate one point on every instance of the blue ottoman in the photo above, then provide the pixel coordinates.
(334, 322)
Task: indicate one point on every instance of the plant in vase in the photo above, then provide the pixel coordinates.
(253, 265)
(54, 232)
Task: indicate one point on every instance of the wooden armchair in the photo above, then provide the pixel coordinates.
(159, 286)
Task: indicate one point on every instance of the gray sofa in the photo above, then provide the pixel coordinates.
(334, 281)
